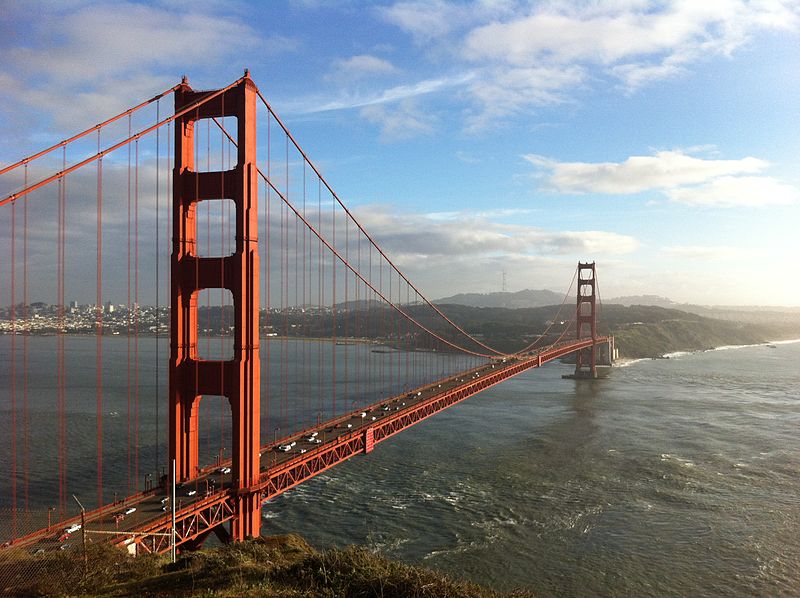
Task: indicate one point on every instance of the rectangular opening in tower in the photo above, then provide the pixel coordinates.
(215, 324)
(216, 228)
(215, 144)
(214, 432)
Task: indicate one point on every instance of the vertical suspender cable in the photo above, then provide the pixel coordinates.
(267, 258)
(60, 369)
(370, 328)
(168, 237)
(320, 296)
(209, 323)
(333, 309)
(347, 307)
(129, 335)
(304, 370)
(99, 327)
(285, 296)
(26, 319)
(136, 322)
(158, 284)
(13, 385)
(297, 341)
(223, 334)
(357, 330)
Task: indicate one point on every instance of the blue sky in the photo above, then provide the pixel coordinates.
(658, 138)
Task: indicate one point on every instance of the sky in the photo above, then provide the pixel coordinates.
(659, 139)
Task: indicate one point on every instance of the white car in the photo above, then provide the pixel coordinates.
(224, 470)
(72, 528)
(285, 447)
(130, 510)
(191, 493)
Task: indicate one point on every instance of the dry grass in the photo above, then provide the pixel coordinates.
(277, 567)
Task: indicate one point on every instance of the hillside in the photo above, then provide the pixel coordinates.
(516, 300)
(277, 567)
(640, 331)
(647, 331)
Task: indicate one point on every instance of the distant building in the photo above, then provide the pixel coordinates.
(109, 308)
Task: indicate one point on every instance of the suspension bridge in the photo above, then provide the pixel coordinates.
(289, 340)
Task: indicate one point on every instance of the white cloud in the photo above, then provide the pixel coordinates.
(731, 191)
(680, 177)
(460, 234)
(704, 253)
(431, 20)
(362, 65)
(501, 92)
(392, 94)
(634, 41)
(609, 34)
(431, 248)
(467, 157)
(109, 54)
(403, 121)
(664, 170)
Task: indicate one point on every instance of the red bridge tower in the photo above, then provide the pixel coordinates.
(586, 318)
(191, 377)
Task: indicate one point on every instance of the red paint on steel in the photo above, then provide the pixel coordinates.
(237, 379)
(99, 327)
(586, 314)
(369, 440)
(210, 96)
(63, 144)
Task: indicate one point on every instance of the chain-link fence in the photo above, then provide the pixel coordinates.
(37, 548)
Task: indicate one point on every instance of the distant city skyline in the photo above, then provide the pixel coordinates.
(659, 139)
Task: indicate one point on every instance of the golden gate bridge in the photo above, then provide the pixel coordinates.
(295, 341)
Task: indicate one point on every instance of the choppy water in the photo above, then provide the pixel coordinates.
(672, 477)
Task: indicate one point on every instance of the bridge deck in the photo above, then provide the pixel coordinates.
(203, 504)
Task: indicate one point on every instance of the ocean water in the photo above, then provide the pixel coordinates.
(673, 477)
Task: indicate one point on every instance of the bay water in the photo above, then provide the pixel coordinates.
(671, 477)
(676, 476)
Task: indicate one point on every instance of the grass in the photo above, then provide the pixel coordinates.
(282, 566)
